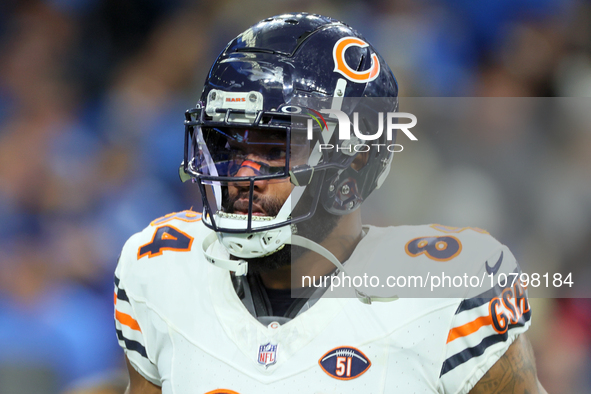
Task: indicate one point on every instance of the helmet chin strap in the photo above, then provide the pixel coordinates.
(321, 250)
(211, 245)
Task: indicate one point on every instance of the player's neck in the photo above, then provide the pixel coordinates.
(341, 242)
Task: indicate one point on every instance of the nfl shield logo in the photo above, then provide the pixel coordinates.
(267, 354)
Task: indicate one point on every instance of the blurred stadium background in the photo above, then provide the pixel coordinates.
(92, 97)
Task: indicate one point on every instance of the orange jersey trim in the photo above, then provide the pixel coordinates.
(469, 328)
(450, 229)
(185, 216)
(125, 319)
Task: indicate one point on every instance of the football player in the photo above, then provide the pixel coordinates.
(203, 302)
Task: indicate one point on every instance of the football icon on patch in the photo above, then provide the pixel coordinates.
(344, 363)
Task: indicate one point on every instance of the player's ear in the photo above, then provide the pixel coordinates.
(360, 161)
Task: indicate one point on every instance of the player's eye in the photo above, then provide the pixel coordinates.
(237, 151)
(276, 154)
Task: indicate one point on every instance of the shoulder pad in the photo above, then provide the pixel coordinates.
(430, 258)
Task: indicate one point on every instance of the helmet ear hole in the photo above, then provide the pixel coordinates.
(343, 195)
(235, 247)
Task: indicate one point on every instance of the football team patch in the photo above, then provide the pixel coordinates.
(344, 363)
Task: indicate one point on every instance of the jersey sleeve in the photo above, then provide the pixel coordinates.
(129, 330)
(483, 327)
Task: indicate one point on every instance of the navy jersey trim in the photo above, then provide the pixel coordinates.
(132, 345)
(476, 351)
(482, 298)
(122, 295)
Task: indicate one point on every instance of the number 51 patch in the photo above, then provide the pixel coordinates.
(344, 363)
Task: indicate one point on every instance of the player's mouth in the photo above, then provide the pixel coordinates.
(241, 208)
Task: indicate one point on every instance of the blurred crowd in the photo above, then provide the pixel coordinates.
(92, 100)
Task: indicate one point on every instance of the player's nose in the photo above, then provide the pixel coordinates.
(250, 168)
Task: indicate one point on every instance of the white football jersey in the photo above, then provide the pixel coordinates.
(183, 327)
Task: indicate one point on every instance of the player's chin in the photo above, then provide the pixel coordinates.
(280, 259)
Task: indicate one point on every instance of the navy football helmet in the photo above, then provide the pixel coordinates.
(264, 93)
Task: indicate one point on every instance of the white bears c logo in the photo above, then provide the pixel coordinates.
(341, 66)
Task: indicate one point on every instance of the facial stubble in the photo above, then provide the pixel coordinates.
(317, 228)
